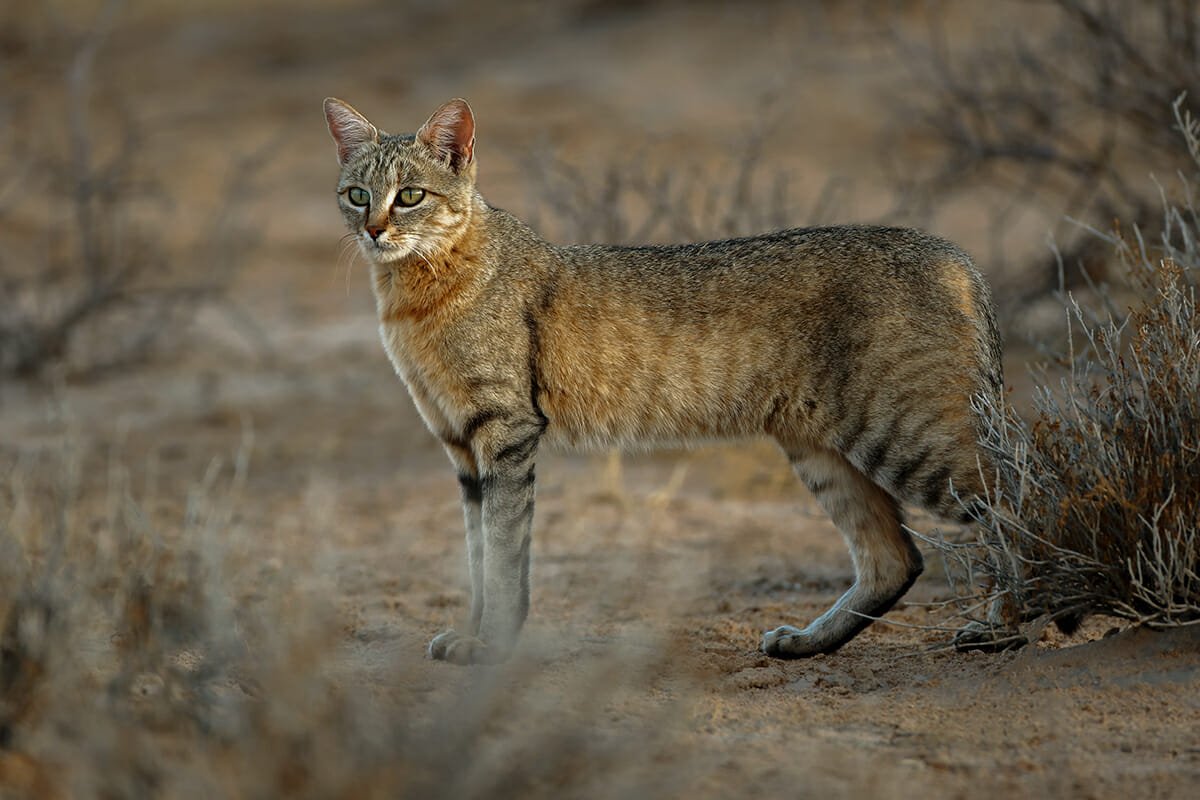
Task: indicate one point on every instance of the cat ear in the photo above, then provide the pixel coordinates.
(450, 133)
(349, 128)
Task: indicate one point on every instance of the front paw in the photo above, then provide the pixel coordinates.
(788, 642)
(463, 650)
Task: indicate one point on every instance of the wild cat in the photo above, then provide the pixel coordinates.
(858, 349)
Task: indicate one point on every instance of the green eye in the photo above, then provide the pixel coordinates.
(409, 197)
(358, 197)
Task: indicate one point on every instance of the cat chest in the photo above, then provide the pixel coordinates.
(448, 377)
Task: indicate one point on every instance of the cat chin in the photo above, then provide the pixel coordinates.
(385, 255)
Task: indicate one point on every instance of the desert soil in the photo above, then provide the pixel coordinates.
(661, 571)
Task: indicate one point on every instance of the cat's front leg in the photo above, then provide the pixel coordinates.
(471, 488)
(504, 453)
(443, 647)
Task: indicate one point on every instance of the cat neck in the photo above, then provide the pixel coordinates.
(419, 287)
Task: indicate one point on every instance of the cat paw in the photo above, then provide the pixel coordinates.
(440, 643)
(456, 648)
(987, 638)
(788, 642)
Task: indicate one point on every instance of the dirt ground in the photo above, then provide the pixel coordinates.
(660, 571)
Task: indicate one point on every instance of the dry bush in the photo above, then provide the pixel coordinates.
(96, 272)
(1063, 104)
(144, 658)
(635, 198)
(1094, 507)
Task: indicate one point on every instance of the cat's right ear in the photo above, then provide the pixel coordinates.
(349, 128)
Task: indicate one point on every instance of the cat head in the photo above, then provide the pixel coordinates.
(408, 194)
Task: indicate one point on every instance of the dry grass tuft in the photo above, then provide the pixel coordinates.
(147, 657)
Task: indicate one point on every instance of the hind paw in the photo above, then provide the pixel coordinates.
(788, 642)
(988, 638)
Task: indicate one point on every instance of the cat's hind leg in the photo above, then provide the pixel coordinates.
(886, 561)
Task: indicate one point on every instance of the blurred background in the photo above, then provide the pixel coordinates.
(177, 307)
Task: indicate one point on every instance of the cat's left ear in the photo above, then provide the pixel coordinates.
(349, 128)
(450, 133)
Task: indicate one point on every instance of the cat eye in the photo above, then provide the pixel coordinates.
(357, 196)
(409, 197)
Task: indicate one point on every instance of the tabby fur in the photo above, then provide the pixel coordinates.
(857, 348)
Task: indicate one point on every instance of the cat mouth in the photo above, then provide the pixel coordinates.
(386, 250)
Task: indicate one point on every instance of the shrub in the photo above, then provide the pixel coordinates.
(640, 197)
(1094, 506)
(1068, 109)
(95, 272)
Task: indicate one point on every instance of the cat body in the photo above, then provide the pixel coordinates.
(857, 348)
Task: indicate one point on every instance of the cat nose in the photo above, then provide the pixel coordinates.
(374, 230)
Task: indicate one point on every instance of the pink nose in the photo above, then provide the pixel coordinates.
(374, 230)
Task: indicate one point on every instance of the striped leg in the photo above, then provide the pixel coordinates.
(886, 562)
(500, 556)
(472, 500)
(471, 488)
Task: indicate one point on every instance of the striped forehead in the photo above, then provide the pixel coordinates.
(397, 160)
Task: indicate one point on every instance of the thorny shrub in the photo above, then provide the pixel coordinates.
(1094, 506)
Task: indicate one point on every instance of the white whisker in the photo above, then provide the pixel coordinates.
(346, 254)
(428, 263)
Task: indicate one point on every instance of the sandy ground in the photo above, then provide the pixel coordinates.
(662, 569)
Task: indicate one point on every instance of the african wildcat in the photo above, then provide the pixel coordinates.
(856, 348)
